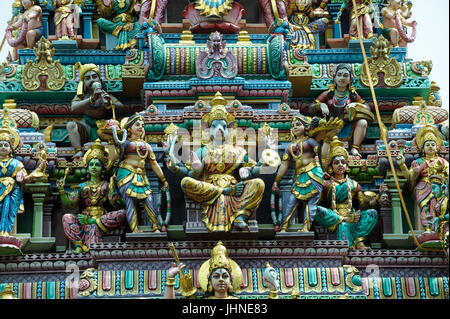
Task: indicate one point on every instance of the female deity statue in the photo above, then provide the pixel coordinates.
(342, 101)
(340, 193)
(30, 24)
(305, 22)
(66, 18)
(219, 173)
(220, 277)
(429, 141)
(363, 10)
(131, 176)
(12, 176)
(394, 21)
(439, 186)
(119, 20)
(92, 196)
(308, 178)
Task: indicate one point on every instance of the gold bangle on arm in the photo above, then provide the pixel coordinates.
(278, 179)
(170, 281)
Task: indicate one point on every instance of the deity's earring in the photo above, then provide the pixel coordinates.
(330, 170)
(209, 288)
(347, 169)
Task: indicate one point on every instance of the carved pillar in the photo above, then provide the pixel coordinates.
(47, 218)
(87, 25)
(397, 223)
(337, 30)
(38, 192)
(386, 217)
(45, 25)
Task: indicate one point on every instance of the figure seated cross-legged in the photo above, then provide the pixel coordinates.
(95, 103)
(93, 196)
(339, 206)
(220, 175)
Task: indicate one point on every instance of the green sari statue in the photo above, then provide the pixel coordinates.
(339, 193)
(119, 20)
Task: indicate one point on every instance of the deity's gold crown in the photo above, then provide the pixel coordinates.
(428, 133)
(8, 130)
(17, 4)
(336, 149)
(98, 151)
(218, 111)
(219, 258)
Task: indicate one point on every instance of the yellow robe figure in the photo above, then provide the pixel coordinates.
(219, 210)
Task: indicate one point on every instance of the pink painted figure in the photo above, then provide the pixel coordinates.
(363, 10)
(30, 24)
(394, 21)
(93, 196)
(429, 142)
(66, 18)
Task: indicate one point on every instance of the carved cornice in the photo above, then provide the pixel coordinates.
(237, 249)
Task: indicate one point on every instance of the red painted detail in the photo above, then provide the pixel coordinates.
(289, 277)
(106, 285)
(73, 292)
(244, 278)
(410, 286)
(152, 279)
(335, 278)
(196, 279)
(365, 285)
(27, 290)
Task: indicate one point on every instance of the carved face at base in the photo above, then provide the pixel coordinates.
(5, 148)
(339, 165)
(95, 167)
(218, 130)
(220, 280)
(90, 78)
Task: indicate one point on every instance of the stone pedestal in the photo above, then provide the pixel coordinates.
(195, 227)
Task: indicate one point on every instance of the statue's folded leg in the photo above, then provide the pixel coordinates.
(114, 219)
(72, 227)
(201, 192)
(358, 231)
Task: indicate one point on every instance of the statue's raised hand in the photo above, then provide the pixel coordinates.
(174, 270)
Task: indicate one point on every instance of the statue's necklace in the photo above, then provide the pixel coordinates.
(94, 189)
(5, 166)
(139, 147)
